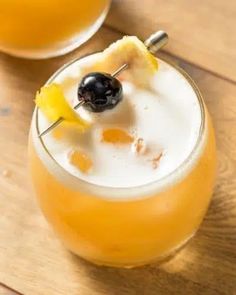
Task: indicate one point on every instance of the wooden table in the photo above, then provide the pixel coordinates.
(32, 260)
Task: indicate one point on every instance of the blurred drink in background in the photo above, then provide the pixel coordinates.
(47, 28)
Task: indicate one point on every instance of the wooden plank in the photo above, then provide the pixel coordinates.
(203, 33)
(33, 261)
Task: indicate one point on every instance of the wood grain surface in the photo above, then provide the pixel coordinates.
(33, 261)
(202, 32)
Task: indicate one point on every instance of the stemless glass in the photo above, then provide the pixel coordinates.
(126, 227)
(47, 28)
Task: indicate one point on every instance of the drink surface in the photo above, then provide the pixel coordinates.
(28, 26)
(163, 126)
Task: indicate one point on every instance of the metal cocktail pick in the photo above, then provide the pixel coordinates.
(153, 44)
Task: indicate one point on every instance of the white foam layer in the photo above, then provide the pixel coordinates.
(168, 119)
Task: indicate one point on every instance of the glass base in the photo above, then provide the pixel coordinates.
(62, 48)
(157, 260)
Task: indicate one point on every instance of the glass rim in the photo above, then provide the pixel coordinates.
(114, 192)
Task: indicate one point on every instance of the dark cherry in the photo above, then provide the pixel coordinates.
(100, 91)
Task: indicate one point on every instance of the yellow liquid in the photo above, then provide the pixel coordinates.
(37, 25)
(127, 233)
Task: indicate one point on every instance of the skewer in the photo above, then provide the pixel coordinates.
(153, 44)
(59, 120)
(121, 69)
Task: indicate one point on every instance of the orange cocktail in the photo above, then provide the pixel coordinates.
(141, 210)
(44, 28)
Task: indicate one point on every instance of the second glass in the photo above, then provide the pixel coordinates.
(47, 28)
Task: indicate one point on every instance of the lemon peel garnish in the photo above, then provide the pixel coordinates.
(142, 64)
(52, 102)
